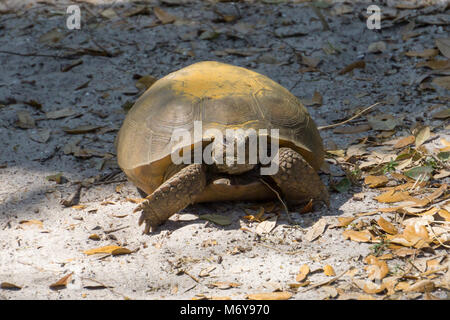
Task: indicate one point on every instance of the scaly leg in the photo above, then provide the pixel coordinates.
(298, 181)
(172, 196)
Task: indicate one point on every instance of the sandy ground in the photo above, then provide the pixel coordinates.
(187, 255)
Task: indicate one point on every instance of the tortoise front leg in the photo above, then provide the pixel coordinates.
(172, 196)
(298, 181)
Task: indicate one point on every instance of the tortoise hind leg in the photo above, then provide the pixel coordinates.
(298, 181)
(172, 196)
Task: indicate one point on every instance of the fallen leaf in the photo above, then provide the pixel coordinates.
(109, 13)
(36, 223)
(387, 226)
(61, 283)
(427, 53)
(9, 286)
(303, 273)
(443, 45)
(393, 196)
(220, 220)
(266, 226)
(377, 47)
(444, 114)
(25, 120)
(376, 181)
(330, 292)
(223, 285)
(404, 142)
(443, 82)
(422, 172)
(94, 237)
(61, 113)
(358, 236)
(383, 122)
(344, 221)
(81, 129)
(328, 270)
(39, 135)
(422, 135)
(434, 64)
(316, 230)
(377, 269)
(163, 16)
(355, 65)
(270, 296)
(114, 250)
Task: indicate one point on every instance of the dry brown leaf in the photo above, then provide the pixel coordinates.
(444, 46)
(36, 223)
(344, 221)
(376, 181)
(25, 120)
(387, 226)
(422, 135)
(303, 273)
(377, 269)
(94, 236)
(316, 230)
(81, 129)
(225, 285)
(393, 196)
(107, 250)
(163, 16)
(434, 64)
(109, 13)
(9, 286)
(328, 270)
(359, 236)
(427, 53)
(270, 296)
(443, 82)
(61, 283)
(444, 214)
(404, 142)
(355, 65)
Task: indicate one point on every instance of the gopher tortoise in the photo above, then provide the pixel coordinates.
(221, 98)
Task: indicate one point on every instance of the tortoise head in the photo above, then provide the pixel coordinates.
(231, 154)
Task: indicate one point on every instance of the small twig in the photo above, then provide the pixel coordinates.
(351, 118)
(107, 287)
(327, 282)
(114, 230)
(279, 198)
(436, 237)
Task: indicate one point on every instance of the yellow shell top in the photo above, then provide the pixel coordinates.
(219, 95)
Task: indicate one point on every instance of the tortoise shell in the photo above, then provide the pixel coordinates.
(221, 96)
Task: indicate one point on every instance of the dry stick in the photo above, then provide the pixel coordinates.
(350, 119)
(328, 281)
(281, 200)
(436, 237)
